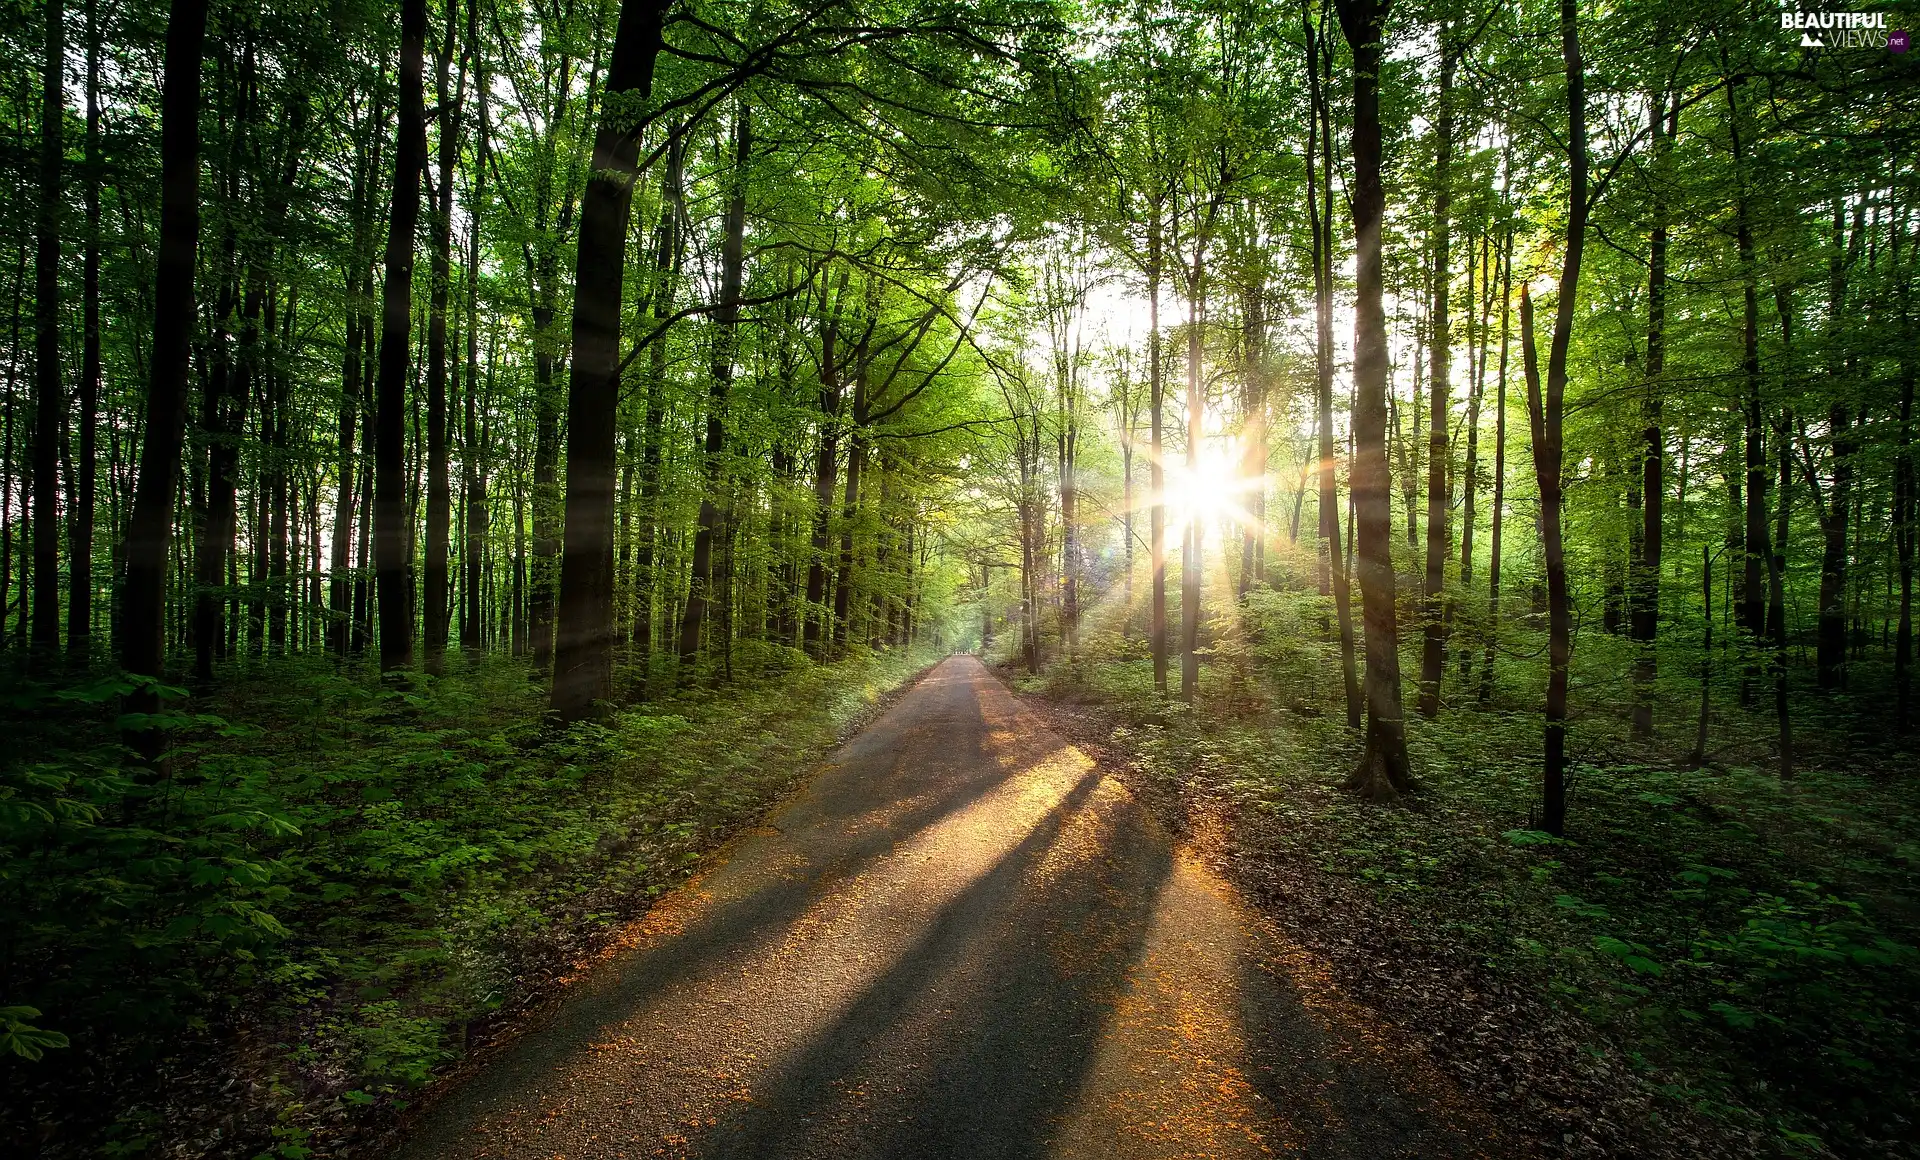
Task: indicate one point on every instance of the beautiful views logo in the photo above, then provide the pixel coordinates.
(1842, 30)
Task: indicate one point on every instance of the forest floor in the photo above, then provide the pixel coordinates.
(1714, 963)
(962, 939)
(435, 865)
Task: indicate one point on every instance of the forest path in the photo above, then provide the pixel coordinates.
(961, 940)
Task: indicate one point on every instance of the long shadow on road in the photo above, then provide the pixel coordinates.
(959, 941)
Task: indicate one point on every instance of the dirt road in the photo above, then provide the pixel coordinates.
(960, 941)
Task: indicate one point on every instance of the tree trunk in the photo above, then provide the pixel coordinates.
(80, 518)
(1156, 461)
(1752, 605)
(583, 653)
(1831, 651)
(704, 589)
(50, 394)
(1383, 771)
(1332, 563)
(1643, 588)
(1433, 652)
(475, 452)
(1191, 563)
(666, 267)
(1777, 604)
(149, 531)
(1547, 416)
(392, 543)
(436, 586)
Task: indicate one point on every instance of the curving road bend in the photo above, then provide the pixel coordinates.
(961, 940)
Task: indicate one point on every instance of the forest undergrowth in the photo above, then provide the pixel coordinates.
(1713, 961)
(340, 890)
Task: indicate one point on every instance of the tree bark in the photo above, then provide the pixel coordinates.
(1643, 588)
(80, 518)
(1383, 771)
(474, 444)
(1546, 416)
(392, 543)
(1433, 652)
(1191, 563)
(50, 394)
(1332, 562)
(436, 586)
(733, 256)
(1751, 608)
(583, 653)
(149, 531)
(1498, 522)
(1156, 461)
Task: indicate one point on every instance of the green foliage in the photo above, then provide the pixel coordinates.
(368, 873)
(1749, 943)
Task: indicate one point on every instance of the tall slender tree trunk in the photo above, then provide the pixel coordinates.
(80, 517)
(666, 267)
(1383, 771)
(1831, 650)
(50, 393)
(392, 541)
(340, 601)
(850, 504)
(1498, 522)
(1752, 606)
(583, 653)
(1191, 543)
(818, 629)
(475, 451)
(1253, 437)
(1643, 588)
(1332, 562)
(1777, 602)
(1433, 652)
(705, 588)
(1547, 417)
(1156, 459)
(149, 531)
(436, 586)
(1476, 393)
(1906, 535)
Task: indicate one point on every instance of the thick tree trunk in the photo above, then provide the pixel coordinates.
(392, 543)
(1433, 652)
(149, 531)
(50, 394)
(583, 653)
(705, 589)
(1383, 771)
